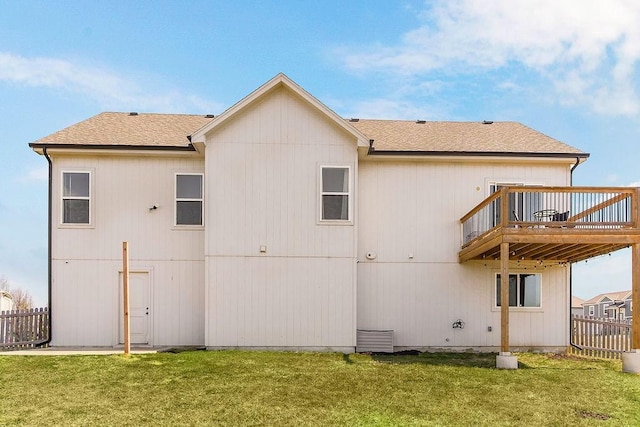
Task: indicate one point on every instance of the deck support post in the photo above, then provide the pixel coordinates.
(505, 360)
(631, 360)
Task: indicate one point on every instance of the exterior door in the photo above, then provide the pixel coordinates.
(139, 306)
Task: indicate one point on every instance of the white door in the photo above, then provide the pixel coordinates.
(139, 287)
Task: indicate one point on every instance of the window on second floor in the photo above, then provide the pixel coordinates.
(335, 193)
(189, 199)
(592, 310)
(76, 198)
(524, 290)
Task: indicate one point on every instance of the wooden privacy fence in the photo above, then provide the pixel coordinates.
(23, 328)
(607, 338)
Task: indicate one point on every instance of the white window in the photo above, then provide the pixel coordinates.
(605, 312)
(189, 199)
(76, 197)
(524, 290)
(335, 193)
(623, 314)
(592, 310)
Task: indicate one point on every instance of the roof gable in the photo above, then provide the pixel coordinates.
(256, 96)
(608, 297)
(375, 137)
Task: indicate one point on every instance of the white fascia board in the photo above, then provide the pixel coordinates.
(113, 152)
(464, 158)
(279, 80)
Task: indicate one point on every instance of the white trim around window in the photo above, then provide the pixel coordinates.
(189, 200)
(335, 189)
(76, 198)
(525, 291)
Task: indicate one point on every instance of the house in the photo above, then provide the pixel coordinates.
(6, 301)
(279, 224)
(611, 305)
(576, 306)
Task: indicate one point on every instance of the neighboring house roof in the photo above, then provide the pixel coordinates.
(461, 138)
(127, 129)
(576, 302)
(611, 296)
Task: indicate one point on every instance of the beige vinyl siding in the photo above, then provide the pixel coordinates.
(416, 206)
(281, 302)
(86, 260)
(86, 302)
(265, 163)
(412, 209)
(421, 301)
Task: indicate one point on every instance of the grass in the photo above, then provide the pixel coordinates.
(268, 388)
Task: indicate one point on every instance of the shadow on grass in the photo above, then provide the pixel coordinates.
(347, 359)
(471, 360)
(488, 360)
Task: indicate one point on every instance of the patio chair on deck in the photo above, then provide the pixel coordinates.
(560, 216)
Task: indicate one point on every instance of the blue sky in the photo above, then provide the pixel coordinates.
(568, 69)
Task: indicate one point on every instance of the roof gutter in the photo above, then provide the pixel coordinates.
(373, 152)
(49, 246)
(572, 169)
(44, 146)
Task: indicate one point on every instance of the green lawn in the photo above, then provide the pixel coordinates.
(265, 388)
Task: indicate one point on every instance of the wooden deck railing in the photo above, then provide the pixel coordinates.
(568, 207)
(23, 328)
(607, 338)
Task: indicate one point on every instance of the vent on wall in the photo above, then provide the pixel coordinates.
(368, 341)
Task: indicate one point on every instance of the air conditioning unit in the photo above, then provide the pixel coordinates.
(374, 341)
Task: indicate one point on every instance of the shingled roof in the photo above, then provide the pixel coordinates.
(459, 137)
(128, 129)
(389, 136)
(613, 296)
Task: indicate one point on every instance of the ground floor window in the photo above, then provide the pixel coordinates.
(524, 290)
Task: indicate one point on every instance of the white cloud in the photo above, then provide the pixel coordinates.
(588, 51)
(106, 87)
(38, 174)
(385, 109)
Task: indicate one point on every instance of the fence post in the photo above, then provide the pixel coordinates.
(125, 296)
(23, 328)
(601, 337)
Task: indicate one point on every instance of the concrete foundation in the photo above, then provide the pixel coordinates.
(505, 360)
(631, 361)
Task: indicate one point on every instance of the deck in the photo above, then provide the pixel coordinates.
(551, 224)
